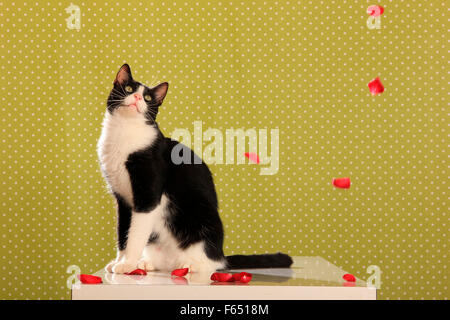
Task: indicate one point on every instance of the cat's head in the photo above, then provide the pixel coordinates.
(133, 99)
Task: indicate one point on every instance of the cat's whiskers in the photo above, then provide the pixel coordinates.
(152, 113)
(123, 90)
(119, 93)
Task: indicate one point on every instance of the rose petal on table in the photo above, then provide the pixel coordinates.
(349, 277)
(375, 10)
(375, 86)
(214, 277)
(139, 272)
(89, 279)
(252, 156)
(245, 277)
(343, 183)
(237, 276)
(180, 272)
(222, 277)
(225, 277)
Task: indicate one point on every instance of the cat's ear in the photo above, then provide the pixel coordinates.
(124, 75)
(160, 91)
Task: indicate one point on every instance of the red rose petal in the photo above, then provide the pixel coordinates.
(375, 11)
(375, 86)
(236, 276)
(225, 277)
(222, 277)
(343, 183)
(89, 279)
(214, 277)
(252, 156)
(242, 277)
(245, 277)
(139, 272)
(180, 272)
(349, 277)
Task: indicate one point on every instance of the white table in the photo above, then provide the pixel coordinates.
(309, 278)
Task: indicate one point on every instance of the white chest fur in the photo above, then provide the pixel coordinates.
(121, 136)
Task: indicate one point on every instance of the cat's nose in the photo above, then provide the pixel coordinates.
(137, 96)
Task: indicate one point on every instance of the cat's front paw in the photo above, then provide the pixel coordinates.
(146, 265)
(124, 266)
(109, 267)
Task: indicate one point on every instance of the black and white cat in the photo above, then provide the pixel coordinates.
(167, 213)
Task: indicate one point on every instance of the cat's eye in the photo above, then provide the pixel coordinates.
(128, 89)
(147, 97)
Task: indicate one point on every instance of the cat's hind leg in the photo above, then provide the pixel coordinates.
(195, 258)
(146, 263)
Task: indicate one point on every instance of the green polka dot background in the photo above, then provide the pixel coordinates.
(301, 67)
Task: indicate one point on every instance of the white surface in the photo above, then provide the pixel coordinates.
(310, 278)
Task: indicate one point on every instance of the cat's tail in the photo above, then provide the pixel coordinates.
(272, 260)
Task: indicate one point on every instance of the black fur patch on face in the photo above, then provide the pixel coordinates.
(152, 105)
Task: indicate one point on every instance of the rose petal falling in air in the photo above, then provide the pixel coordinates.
(180, 272)
(139, 272)
(375, 86)
(349, 277)
(252, 156)
(375, 11)
(343, 183)
(89, 279)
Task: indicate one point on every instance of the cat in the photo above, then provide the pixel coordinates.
(167, 214)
